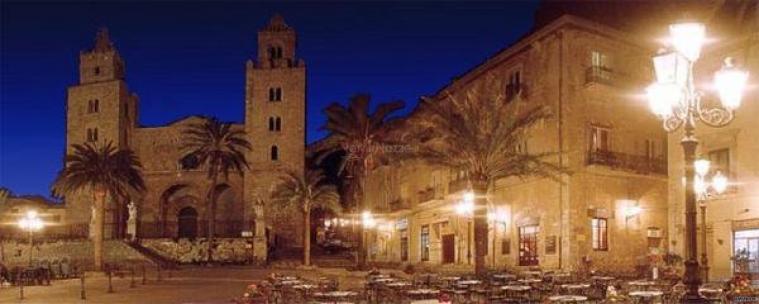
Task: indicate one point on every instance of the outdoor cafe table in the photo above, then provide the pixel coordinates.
(530, 281)
(602, 278)
(575, 286)
(645, 294)
(289, 282)
(505, 276)
(514, 290)
(422, 292)
(532, 273)
(450, 278)
(382, 280)
(399, 284)
(567, 298)
(336, 295)
(305, 287)
(469, 282)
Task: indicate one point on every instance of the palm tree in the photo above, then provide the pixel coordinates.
(220, 148)
(361, 136)
(483, 136)
(305, 192)
(105, 171)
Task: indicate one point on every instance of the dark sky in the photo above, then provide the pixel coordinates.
(186, 58)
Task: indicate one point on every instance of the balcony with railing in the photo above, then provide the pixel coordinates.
(609, 77)
(457, 185)
(639, 164)
(428, 194)
(399, 204)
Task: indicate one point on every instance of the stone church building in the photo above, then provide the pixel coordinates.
(101, 108)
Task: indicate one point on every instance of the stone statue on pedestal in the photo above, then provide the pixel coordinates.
(260, 243)
(132, 221)
(93, 214)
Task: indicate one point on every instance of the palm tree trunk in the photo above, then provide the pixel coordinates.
(359, 196)
(479, 186)
(97, 242)
(211, 216)
(307, 238)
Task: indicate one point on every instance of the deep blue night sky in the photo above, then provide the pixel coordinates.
(188, 58)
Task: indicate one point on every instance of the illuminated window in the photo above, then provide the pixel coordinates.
(425, 241)
(720, 161)
(599, 139)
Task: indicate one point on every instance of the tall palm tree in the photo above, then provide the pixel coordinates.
(305, 192)
(105, 171)
(484, 136)
(220, 148)
(361, 136)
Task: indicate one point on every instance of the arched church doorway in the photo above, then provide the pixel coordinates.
(187, 223)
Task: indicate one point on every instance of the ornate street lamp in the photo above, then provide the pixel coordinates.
(31, 223)
(674, 98)
(706, 189)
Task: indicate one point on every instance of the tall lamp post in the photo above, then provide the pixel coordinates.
(674, 98)
(705, 189)
(465, 208)
(31, 223)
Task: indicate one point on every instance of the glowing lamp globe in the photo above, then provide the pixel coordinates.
(662, 98)
(719, 182)
(730, 83)
(688, 38)
(701, 166)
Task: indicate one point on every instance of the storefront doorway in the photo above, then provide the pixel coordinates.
(528, 245)
(449, 248)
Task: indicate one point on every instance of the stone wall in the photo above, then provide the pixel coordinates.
(185, 251)
(13, 253)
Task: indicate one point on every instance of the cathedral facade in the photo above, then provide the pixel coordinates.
(101, 108)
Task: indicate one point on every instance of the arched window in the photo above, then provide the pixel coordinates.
(278, 124)
(271, 123)
(92, 134)
(274, 153)
(93, 106)
(272, 52)
(275, 94)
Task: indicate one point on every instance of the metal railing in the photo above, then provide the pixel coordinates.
(622, 161)
(457, 185)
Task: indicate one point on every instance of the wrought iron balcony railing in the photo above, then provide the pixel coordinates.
(399, 204)
(429, 194)
(457, 185)
(628, 162)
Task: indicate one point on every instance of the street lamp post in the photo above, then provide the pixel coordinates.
(465, 208)
(674, 98)
(704, 191)
(31, 223)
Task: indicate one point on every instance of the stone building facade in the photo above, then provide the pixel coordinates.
(101, 108)
(612, 209)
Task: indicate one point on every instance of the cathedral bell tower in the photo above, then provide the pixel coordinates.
(99, 109)
(275, 106)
